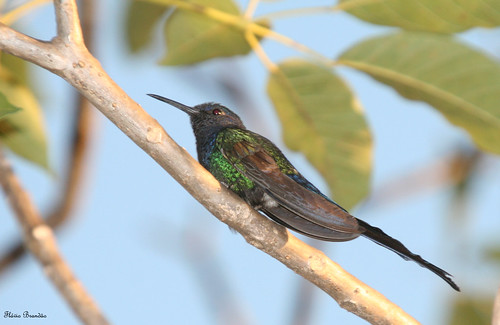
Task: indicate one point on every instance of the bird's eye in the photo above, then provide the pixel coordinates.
(217, 111)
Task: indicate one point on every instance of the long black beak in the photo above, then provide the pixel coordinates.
(187, 109)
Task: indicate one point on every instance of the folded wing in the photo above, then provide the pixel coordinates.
(292, 204)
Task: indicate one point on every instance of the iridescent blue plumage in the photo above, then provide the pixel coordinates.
(255, 169)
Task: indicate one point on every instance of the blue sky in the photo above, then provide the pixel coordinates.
(149, 253)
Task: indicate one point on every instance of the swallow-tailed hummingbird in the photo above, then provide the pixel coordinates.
(256, 170)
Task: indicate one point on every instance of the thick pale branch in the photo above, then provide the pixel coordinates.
(84, 72)
(41, 242)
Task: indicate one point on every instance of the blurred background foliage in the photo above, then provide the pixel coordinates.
(421, 57)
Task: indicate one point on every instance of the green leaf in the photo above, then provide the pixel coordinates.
(491, 253)
(192, 37)
(141, 20)
(463, 84)
(23, 132)
(427, 15)
(468, 310)
(6, 107)
(322, 118)
(17, 68)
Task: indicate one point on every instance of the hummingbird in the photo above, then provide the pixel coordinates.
(256, 170)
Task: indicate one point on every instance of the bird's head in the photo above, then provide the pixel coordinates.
(206, 118)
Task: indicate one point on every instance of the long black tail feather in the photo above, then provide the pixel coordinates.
(378, 236)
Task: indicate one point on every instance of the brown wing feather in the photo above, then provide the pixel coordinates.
(262, 169)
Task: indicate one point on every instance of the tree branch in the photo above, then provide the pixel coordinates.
(67, 198)
(41, 242)
(41, 53)
(83, 71)
(495, 319)
(81, 129)
(68, 22)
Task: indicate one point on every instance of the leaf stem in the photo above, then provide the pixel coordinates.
(342, 6)
(16, 13)
(252, 6)
(243, 24)
(297, 12)
(259, 51)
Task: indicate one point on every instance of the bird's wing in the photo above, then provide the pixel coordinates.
(253, 161)
(297, 223)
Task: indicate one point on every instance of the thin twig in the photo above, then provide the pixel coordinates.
(14, 254)
(259, 51)
(81, 128)
(72, 186)
(41, 242)
(84, 72)
(451, 169)
(39, 238)
(250, 10)
(16, 13)
(295, 12)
